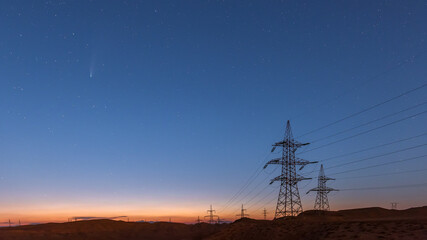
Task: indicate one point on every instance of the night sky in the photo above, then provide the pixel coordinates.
(157, 109)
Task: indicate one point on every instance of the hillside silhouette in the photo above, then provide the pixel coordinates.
(363, 223)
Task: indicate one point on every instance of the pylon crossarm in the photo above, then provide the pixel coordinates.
(292, 181)
(313, 190)
(287, 142)
(278, 178)
(331, 189)
(324, 178)
(303, 162)
(273, 161)
(281, 143)
(302, 178)
(298, 144)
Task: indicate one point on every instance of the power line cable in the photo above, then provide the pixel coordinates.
(253, 197)
(370, 148)
(364, 132)
(369, 80)
(366, 109)
(253, 189)
(246, 185)
(372, 121)
(377, 156)
(378, 165)
(271, 201)
(386, 187)
(386, 174)
(266, 196)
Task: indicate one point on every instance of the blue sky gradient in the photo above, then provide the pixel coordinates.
(125, 106)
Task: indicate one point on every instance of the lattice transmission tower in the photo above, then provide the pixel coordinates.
(322, 190)
(289, 201)
(242, 213)
(211, 216)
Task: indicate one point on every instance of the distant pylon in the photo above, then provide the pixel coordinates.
(322, 190)
(211, 216)
(198, 219)
(242, 213)
(265, 214)
(394, 205)
(289, 201)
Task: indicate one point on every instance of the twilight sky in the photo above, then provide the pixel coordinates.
(157, 109)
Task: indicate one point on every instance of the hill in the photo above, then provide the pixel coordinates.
(368, 213)
(109, 230)
(364, 223)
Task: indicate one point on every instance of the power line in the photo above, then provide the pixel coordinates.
(253, 189)
(378, 165)
(366, 109)
(386, 174)
(372, 121)
(268, 195)
(374, 147)
(253, 197)
(364, 132)
(243, 188)
(369, 80)
(377, 156)
(271, 201)
(262, 190)
(386, 187)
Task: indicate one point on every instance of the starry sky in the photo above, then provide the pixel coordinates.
(157, 109)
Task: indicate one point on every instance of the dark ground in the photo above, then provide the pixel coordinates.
(366, 223)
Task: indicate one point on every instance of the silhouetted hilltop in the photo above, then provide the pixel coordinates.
(109, 229)
(363, 223)
(368, 213)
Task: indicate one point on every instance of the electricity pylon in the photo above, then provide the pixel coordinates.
(198, 219)
(265, 214)
(322, 190)
(211, 216)
(242, 213)
(289, 201)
